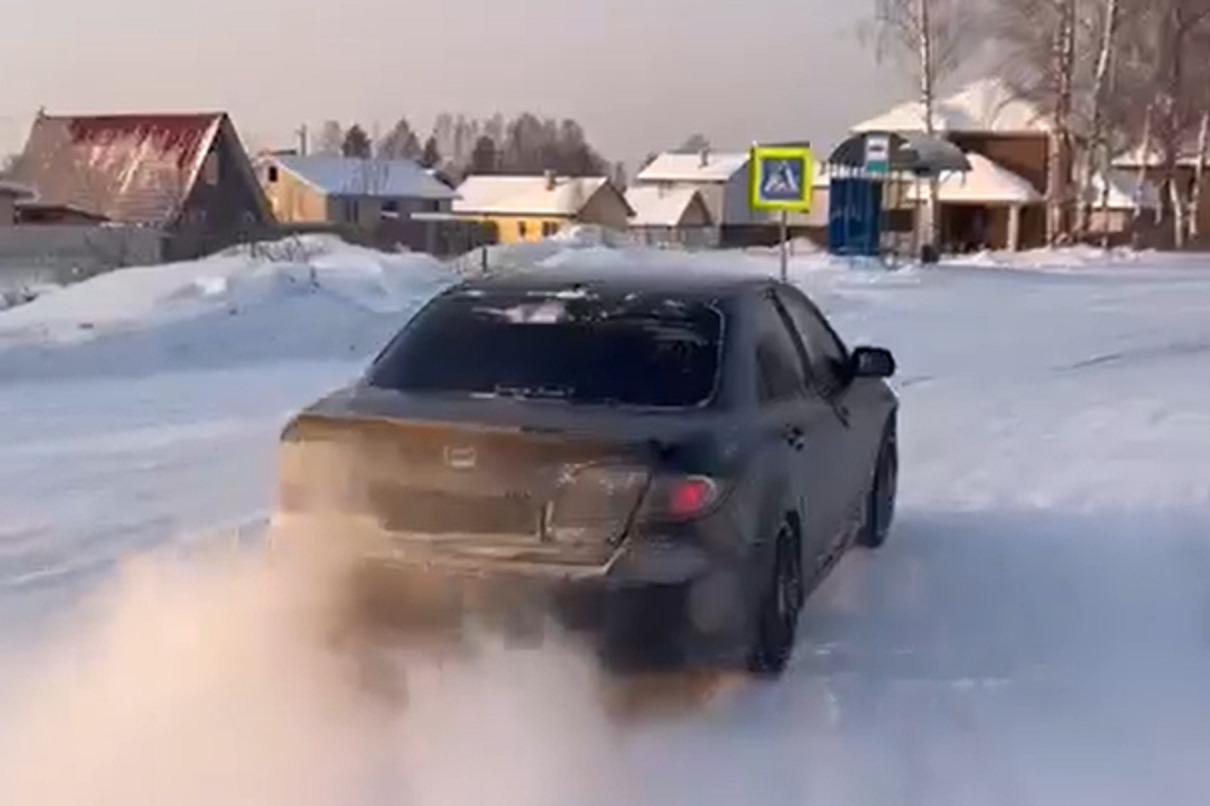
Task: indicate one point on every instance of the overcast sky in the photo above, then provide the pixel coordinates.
(639, 74)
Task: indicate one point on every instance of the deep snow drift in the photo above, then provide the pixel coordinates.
(1037, 632)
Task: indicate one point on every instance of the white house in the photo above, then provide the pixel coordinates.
(723, 180)
(671, 214)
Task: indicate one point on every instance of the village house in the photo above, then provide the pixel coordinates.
(1001, 203)
(982, 208)
(1123, 206)
(531, 208)
(671, 215)
(375, 199)
(185, 175)
(1148, 172)
(723, 180)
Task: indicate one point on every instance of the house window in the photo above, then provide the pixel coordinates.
(272, 174)
(210, 171)
(550, 228)
(390, 209)
(522, 229)
(352, 211)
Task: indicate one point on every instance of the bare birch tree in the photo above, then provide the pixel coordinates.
(1062, 138)
(1169, 46)
(331, 138)
(1145, 155)
(1098, 153)
(929, 38)
(1043, 45)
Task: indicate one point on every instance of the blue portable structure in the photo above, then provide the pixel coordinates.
(855, 217)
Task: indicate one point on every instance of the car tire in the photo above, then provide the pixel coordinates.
(781, 604)
(880, 504)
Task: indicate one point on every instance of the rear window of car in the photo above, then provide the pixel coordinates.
(630, 350)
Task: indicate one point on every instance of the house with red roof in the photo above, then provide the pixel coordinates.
(187, 175)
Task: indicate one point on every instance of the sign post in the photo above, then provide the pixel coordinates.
(782, 181)
(785, 244)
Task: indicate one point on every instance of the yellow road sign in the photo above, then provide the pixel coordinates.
(782, 178)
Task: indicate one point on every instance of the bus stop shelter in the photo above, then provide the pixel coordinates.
(870, 174)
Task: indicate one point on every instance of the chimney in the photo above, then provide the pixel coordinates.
(550, 178)
(704, 156)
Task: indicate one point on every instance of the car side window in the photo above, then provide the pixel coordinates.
(826, 355)
(779, 372)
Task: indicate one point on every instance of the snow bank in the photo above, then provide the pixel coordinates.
(304, 298)
(1070, 258)
(318, 298)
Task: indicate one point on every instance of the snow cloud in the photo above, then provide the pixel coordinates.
(242, 681)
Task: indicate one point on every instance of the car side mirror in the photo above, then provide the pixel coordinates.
(872, 362)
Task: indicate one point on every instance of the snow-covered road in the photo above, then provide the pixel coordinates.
(1037, 632)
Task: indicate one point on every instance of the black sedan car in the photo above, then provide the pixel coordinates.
(673, 461)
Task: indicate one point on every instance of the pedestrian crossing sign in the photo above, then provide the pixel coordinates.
(782, 178)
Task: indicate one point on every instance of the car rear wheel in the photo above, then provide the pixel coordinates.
(777, 626)
(880, 505)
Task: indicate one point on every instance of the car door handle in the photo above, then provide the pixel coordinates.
(796, 438)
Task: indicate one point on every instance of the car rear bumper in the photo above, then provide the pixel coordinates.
(661, 597)
(645, 621)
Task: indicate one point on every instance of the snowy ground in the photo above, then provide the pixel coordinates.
(1038, 632)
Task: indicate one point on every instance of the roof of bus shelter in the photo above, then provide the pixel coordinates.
(915, 154)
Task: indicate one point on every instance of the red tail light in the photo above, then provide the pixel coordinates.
(680, 498)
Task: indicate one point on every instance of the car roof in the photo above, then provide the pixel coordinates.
(620, 282)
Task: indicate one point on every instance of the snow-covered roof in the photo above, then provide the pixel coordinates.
(127, 168)
(1124, 188)
(527, 195)
(345, 176)
(707, 167)
(656, 206)
(987, 183)
(987, 106)
(1134, 158)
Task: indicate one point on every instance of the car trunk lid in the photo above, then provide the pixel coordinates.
(466, 492)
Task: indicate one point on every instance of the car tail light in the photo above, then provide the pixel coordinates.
(680, 498)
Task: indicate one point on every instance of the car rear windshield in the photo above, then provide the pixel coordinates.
(627, 350)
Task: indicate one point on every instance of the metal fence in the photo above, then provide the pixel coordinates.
(61, 254)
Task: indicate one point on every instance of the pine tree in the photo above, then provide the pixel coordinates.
(356, 143)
